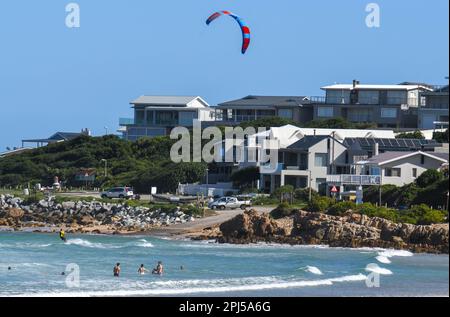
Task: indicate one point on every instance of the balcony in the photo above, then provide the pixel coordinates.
(267, 169)
(123, 122)
(362, 180)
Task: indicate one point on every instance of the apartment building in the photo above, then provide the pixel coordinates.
(157, 115)
(390, 106)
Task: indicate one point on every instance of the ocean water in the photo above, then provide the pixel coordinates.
(38, 260)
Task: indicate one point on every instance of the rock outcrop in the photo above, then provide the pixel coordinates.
(351, 230)
(16, 213)
(250, 227)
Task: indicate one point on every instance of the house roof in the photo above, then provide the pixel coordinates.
(173, 101)
(388, 157)
(266, 101)
(289, 134)
(58, 136)
(308, 141)
(374, 87)
(392, 145)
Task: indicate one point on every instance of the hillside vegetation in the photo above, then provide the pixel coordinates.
(140, 164)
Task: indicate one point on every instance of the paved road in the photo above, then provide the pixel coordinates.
(200, 224)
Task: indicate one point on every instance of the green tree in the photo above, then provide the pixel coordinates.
(429, 177)
(411, 135)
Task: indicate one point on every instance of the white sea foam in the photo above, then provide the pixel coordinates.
(144, 244)
(376, 269)
(208, 287)
(383, 259)
(392, 253)
(313, 270)
(88, 244)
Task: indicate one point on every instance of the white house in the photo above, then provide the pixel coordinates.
(157, 115)
(401, 168)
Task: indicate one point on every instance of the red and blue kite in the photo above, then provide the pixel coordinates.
(245, 29)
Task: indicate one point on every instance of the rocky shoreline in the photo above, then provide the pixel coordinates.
(349, 231)
(84, 217)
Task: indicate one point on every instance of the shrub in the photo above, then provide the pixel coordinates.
(302, 194)
(429, 177)
(367, 209)
(341, 207)
(283, 210)
(426, 216)
(319, 204)
(411, 135)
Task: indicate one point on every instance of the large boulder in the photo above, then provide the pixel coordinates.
(249, 227)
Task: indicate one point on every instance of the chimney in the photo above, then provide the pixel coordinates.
(355, 83)
(376, 149)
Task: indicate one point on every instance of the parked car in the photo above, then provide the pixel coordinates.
(118, 192)
(229, 203)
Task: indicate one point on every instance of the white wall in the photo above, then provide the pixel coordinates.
(406, 166)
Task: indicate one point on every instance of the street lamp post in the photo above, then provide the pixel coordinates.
(106, 167)
(310, 186)
(207, 176)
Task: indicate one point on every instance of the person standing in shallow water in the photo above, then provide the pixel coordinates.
(142, 270)
(62, 235)
(159, 270)
(116, 270)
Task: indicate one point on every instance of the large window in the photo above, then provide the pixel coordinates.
(139, 116)
(397, 97)
(393, 172)
(359, 115)
(320, 160)
(370, 97)
(285, 113)
(338, 96)
(388, 113)
(325, 112)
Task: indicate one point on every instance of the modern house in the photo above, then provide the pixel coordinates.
(401, 168)
(57, 137)
(433, 112)
(157, 115)
(390, 106)
(298, 109)
(325, 161)
(306, 163)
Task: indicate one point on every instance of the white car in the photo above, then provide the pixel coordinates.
(118, 192)
(229, 203)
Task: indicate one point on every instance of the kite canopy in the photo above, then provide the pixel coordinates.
(244, 28)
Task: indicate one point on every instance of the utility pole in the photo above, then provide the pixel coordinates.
(106, 167)
(333, 167)
(310, 185)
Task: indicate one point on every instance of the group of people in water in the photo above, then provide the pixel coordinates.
(158, 270)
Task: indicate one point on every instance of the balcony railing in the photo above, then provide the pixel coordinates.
(126, 121)
(393, 101)
(362, 180)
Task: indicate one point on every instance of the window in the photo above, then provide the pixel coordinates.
(285, 113)
(396, 97)
(369, 97)
(321, 160)
(359, 115)
(338, 96)
(388, 113)
(326, 112)
(414, 172)
(422, 159)
(393, 172)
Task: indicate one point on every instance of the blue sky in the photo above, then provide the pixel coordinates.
(57, 79)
